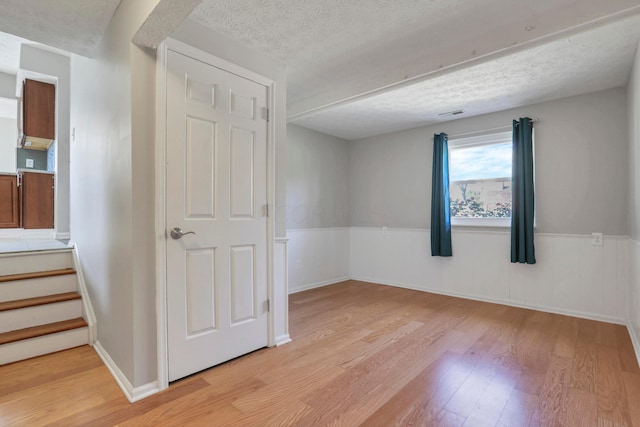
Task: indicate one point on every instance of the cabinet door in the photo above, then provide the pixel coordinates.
(9, 206)
(37, 200)
(39, 109)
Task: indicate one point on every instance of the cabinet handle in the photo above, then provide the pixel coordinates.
(18, 180)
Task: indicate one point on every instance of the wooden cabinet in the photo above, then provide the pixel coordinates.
(9, 202)
(37, 200)
(38, 114)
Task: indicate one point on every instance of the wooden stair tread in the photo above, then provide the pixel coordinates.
(32, 302)
(38, 331)
(37, 275)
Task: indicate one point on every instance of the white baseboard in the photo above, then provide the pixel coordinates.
(319, 284)
(21, 233)
(132, 393)
(283, 339)
(538, 307)
(634, 341)
(39, 234)
(11, 233)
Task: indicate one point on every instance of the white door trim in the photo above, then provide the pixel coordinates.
(161, 173)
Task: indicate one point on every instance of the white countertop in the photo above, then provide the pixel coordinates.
(35, 171)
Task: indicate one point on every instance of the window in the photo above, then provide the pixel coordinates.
(480, 180)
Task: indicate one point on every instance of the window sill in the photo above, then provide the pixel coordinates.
(482, 222)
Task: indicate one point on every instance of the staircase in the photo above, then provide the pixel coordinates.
(42, 309)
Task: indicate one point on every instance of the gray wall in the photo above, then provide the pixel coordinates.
(317, 179)
(633, 97)
(112, 187)
(7, 85)
(581, 167)
(633, 294)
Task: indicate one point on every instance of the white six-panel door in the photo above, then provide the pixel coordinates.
(216, 187)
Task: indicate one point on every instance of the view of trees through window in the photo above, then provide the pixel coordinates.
(480, 180)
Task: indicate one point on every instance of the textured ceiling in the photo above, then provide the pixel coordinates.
(594, 60)
(73, 25)
(478, 55)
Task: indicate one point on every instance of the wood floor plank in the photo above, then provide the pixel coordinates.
(567, 337)
(39, 371)
(584, 364)
(632, 389)
(214, 404)
(17, 407)
(422, 398)
(447, 419)
(518, 410)
(365, 354)
(551, 408)
(290, 415)
(582, 408)
(610, 390)
(118, 411)
(627, 354)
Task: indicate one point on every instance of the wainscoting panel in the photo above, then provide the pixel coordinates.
(317, 257)
(280, 293)
(633, 295)
(571, 275)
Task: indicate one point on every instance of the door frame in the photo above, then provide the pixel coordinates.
(160, 187)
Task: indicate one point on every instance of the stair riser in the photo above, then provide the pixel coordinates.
(31, 288)
(33, 347)
(12, 320)
(29, 262)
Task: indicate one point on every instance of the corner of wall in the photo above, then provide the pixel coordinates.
(633, 200)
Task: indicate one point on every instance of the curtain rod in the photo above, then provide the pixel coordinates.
(460, 135)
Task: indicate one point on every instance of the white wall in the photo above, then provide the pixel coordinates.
(633, 297)
(571, 275)
(318, 257)
(42, 61)
(8, 138)
(112, 203)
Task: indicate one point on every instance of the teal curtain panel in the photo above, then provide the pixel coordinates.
(523, 209)
(440, 215)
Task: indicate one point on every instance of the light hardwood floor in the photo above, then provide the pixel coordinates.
(366, 354)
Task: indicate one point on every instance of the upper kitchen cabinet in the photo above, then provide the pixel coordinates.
(38, 114)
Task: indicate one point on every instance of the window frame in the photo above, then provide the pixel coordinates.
(474, 141)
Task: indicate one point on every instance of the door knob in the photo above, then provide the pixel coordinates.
(177, 233)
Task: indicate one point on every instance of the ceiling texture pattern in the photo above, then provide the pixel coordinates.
(587, 62)
(364, 67)
(73, 25)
